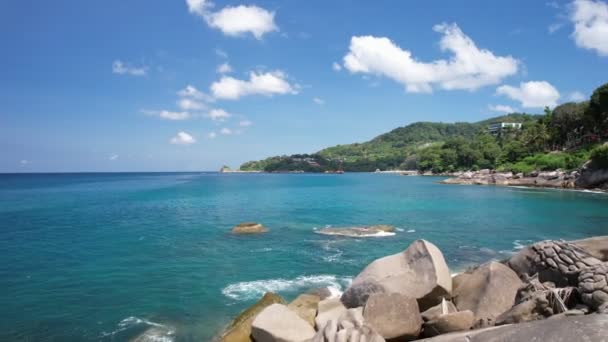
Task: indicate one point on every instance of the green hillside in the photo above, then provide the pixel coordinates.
(562, 138)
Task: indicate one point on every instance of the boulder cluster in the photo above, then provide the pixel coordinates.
(587, 177)
(550, 179)
(551, 290)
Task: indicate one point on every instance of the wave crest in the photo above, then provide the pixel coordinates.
(249, 290)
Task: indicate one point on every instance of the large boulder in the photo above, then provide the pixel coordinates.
(451, 322)
(591, 176)
(239, 330)
(488, 291)
(277, 323)
(419, 272)
(596, 246)
(588, 328)
(249, 228)
(350, 326)
(306, 307)
(329, 309)
(557, 261)
(593, 286)
(394, 316)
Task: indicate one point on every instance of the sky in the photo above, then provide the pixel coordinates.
(191, 85)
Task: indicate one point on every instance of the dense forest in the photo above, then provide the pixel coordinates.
(562, 138)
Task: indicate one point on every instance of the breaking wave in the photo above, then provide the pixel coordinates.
(248, 290)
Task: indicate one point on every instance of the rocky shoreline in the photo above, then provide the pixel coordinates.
(588, 177)
(549, 291)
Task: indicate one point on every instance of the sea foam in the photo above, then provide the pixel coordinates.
(249, 290)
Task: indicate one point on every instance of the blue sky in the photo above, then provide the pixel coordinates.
(139, 85)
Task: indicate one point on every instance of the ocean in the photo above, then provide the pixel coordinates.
(104, 256)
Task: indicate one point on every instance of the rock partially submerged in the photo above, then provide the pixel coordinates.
(366, 231)
(419, 272)
(249, 228)
(239, 329)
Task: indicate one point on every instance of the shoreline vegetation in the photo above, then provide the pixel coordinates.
(549, 290)
(563, 139)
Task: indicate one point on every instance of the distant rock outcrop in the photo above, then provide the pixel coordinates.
(249, 228)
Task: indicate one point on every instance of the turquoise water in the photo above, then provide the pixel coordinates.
(96, 256)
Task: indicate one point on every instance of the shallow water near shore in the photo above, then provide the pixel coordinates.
(104, 256)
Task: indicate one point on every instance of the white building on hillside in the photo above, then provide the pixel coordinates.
(497, 128)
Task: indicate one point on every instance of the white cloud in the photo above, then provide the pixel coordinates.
(119, 67)
(113, 157)
(218, 115)
(533, 94)
(183, 138)
(169, 115)
(193, 93)
(235, 21)
(554, 27)
(318, 101)
(469, 68)
(190, 104)
(24, 162)
(336, 66)
(224, 68)
(267, 84)
(226, 131)
(501, 108)
(245, 123)
(590, 20)
(577, 96)
(212, 135)
(221, 53)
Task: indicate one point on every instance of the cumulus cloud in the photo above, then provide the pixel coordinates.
(590, 20)
(191, 92)
(245, 123)
(182, 138)
(237, 20)
(554, 27)
(169, 115)
(267, 84)
(318, 101)
(533, 94)
(218, 115)
(113, 157)
(336, 66)
(121, 68)
(468, 68)
(24, 162)
(212, 135)
(577, 96)
(190, 104)
(501, 109)
(224, 68)
(226, 131)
